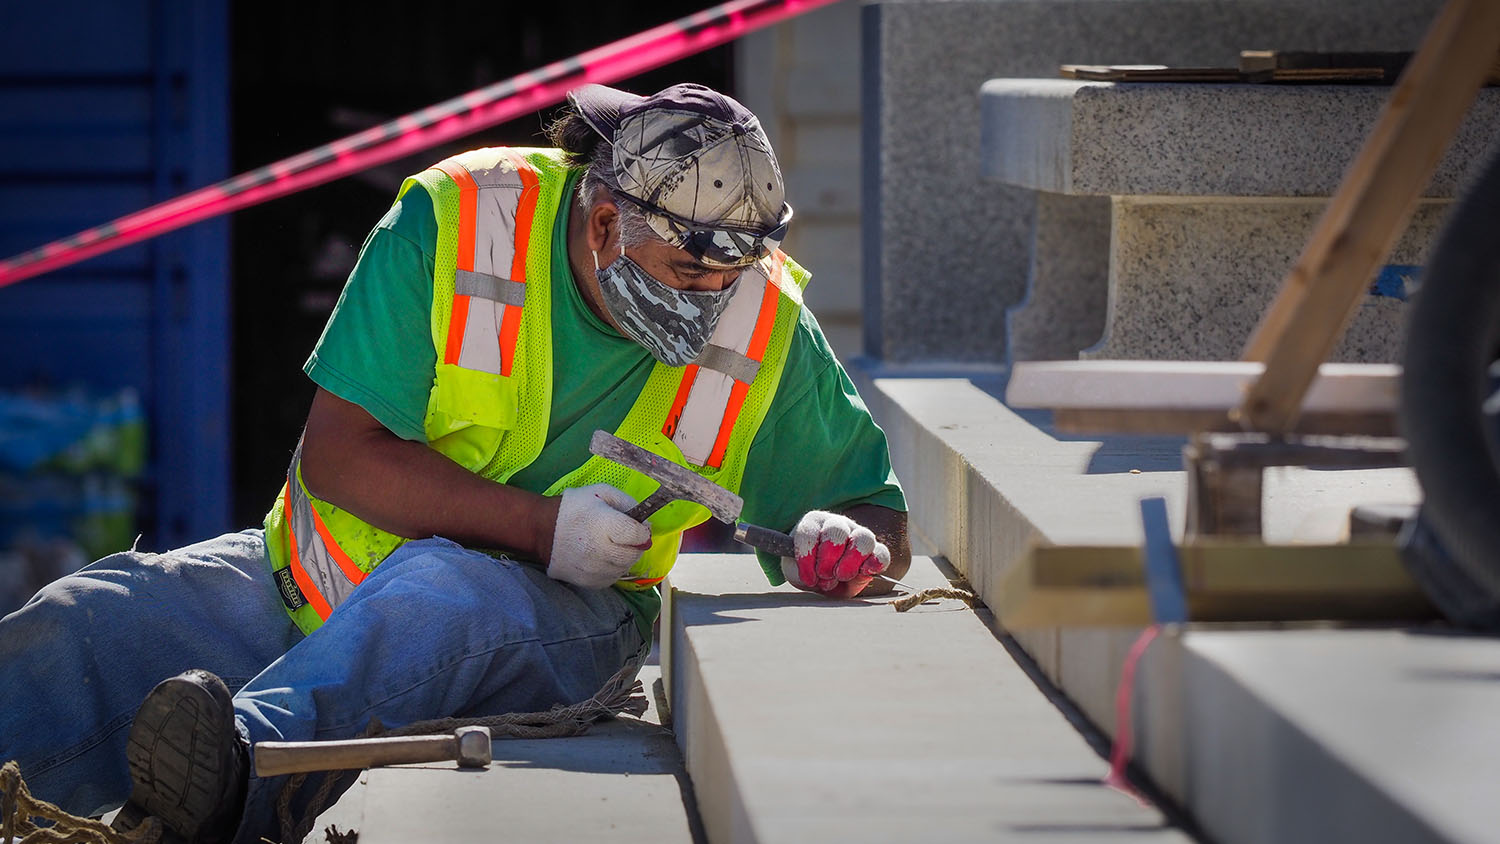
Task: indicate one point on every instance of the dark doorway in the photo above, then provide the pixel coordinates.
(304, 74)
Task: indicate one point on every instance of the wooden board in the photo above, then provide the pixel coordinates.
(1386, 66)
(1369, 211)
(1104, 586)
(1161, 397)
(1164, 73)
(1149, 73)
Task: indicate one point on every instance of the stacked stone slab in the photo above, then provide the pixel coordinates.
(945, 252)
(1284, 733)
(1213, 192)
(803, 719)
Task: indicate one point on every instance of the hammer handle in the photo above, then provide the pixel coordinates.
(273, 758)
(655, 501)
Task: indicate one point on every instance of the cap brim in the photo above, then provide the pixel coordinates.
(600, 106)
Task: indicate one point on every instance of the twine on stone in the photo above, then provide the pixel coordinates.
(620, 694)
(19, 812)
(912, 600)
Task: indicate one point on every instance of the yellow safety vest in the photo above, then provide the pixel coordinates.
(491, 397)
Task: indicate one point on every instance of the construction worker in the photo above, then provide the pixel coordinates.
(444, 544)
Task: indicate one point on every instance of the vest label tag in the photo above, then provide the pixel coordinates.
(287, 586)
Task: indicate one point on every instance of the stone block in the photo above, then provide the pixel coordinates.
(1314, 735)
(830, 249)
(825, 188)
(947, 253)
(1067, 286)
(1294, 734)
(1108, 139)
(1190, 279)
(622, 781)
(797, 726)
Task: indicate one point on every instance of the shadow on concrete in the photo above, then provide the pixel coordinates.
(711, 609)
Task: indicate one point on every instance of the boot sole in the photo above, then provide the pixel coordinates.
(175, 755)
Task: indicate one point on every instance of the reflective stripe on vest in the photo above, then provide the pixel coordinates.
(713, 388)
(490, 272)
(322, 570)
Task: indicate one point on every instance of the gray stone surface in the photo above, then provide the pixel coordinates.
(1107, 139)
(1067, 286)
(1292, 734)
(946, 253)
(805, 719)
(1190, 279)
(1316, 735)
(622, 781)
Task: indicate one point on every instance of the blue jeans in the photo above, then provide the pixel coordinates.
(436, 631)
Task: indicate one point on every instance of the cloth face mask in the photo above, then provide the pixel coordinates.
(674, 325)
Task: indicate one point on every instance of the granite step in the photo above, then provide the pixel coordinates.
(803, 719)
(1261, 733)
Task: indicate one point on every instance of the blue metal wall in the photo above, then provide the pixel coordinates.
(107, 106)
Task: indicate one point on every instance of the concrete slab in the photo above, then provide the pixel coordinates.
(622, 781)
(1263, 734)
(1119, 139)
(805, 719)
(1190, 280)
(1328, 735)
(945, 252)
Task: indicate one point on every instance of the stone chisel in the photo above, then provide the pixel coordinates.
(679, 483)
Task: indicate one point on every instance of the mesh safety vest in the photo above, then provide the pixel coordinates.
(491, 398)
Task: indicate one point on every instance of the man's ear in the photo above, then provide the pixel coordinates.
(600, 229)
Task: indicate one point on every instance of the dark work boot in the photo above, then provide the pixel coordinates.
(188, 765)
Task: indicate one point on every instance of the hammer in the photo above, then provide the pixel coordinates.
(678, 483)
(469, 746)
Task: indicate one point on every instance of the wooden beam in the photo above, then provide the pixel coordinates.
(1179, 397)
(1104, 586)
(1369, 210)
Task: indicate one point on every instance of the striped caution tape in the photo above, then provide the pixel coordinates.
(411, 133)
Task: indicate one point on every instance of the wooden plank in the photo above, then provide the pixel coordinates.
(1148, 73)
(1180, 397)
(1104, 586)
(1166, 421)
(1369, 211)
(1165, 73)
(1191, 385)
(1387, 66)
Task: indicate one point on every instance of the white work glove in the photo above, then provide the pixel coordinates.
(836, 556)
(595, 543)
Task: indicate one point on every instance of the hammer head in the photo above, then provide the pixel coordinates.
(674, 479)
(473, 747)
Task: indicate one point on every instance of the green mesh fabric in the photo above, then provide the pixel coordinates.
(445, 206)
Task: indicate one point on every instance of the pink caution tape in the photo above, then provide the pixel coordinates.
(1119, 756)
(434, 125)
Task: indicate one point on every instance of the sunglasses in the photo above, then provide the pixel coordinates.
(724, 246)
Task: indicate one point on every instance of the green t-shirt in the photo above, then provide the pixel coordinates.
(818, 448)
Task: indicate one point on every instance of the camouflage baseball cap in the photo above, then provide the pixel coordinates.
(699, 165)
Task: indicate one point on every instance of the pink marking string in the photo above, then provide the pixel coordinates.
(463, 115)
(1119, 756)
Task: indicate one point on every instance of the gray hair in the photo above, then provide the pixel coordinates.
(583, 147)
(599, 181)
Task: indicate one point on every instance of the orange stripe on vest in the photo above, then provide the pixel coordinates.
(761, 337)
(464, 260)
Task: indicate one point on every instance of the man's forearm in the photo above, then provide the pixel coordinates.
(408, 489)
